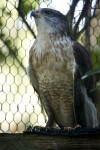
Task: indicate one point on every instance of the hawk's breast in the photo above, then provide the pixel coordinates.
(53, 62)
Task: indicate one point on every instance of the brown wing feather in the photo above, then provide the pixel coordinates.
(83, 60)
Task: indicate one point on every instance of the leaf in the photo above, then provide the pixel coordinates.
(7, 13)
(1, 56)
(1, 24)
(2, 35)
(91, 72)
(96, 88)
(27, 5)
(8, 42)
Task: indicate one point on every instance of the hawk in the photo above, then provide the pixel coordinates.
(57, 63)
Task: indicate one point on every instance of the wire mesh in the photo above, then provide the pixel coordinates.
(19, 104)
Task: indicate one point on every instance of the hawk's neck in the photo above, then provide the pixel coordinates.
(53, 43)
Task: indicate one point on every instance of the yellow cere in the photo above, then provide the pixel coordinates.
(37, 11)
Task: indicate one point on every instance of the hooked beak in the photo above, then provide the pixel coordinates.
(36, 14)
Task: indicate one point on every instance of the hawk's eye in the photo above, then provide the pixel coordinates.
(48, 12)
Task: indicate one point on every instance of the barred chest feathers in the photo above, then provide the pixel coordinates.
(51, 52)
(53, 62)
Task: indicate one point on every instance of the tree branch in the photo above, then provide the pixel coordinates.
(97, 6)
(70, 14)
(12, 53)
(80, 32)
(83, 14)
(21, 15)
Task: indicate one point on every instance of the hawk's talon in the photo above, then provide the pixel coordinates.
(40, 129)
(70, 128)
(77, 126)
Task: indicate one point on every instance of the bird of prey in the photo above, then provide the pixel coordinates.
(57, 63)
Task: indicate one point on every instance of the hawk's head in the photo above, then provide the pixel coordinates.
(50, 21)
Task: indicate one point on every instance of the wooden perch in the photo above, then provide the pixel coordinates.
(32, 141)
(45, 141)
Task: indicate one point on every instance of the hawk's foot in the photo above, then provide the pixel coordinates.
(70, 128)
(37, 129)
(40, 128)
(45, 130)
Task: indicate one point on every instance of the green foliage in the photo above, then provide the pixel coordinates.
(8, 13)
(96, 88)
(1, 24)
(98, 40)
(27, 5)
(8, 42)
(96, 55)
(2, 35)
(91, 72)
(1, 57)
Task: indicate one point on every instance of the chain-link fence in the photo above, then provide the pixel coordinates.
(19, 104)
